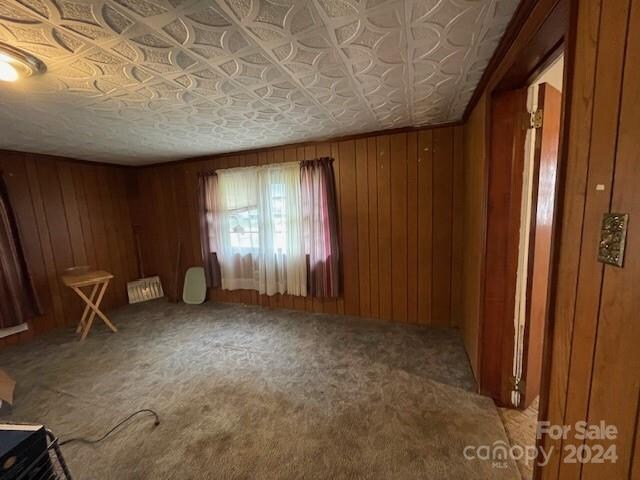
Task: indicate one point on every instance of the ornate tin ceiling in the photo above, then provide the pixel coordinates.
(137, 81)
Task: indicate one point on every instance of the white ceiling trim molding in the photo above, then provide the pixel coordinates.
(145, 81)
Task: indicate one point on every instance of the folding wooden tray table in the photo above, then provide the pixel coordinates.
(99, 281)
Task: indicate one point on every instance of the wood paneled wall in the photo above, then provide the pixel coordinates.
(69, 213)
(475, 200)
(400, 205)
(476, 169)
(595, 356)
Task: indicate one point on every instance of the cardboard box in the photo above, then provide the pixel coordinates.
(7, 386)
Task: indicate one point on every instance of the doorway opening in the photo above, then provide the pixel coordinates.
(536, 215)
(523, 159)
(534, 256)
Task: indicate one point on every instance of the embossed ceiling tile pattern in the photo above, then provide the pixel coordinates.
(138, 81)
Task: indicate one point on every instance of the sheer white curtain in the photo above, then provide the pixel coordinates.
(238, 241)
(261, 235)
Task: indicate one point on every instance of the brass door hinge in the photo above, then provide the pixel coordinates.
(535, 119)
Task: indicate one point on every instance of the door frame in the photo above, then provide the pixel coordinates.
(506, 164)
(550, 40)
(540, 31)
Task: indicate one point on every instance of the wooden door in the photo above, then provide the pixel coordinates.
(506, 162)
(545, 165)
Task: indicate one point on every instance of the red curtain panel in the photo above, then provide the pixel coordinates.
(320, 213)
(208, 211)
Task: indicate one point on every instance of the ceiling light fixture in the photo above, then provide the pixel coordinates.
(16, 64)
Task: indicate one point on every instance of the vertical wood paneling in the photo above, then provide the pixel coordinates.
(103, 235)
(15, 176)
(349, 227)
(73, 235)
(594, 338)
(147, 224)
(72, 214)
(576, 165)
(412, 227)
(442, 222)
(457, 225)
(172, 235)
(83, 211)
(178, 235)
(45, 242)
(425, 218)
(384, 192)
(120, 198)
(61, 206)
(615, 390)
(118, 285)
(362, 211)
(55, 222)
(398, 253)
(384, 229)
(474, 230)
(372, 180)
(163, 216)
(191, 185)
(604, 130)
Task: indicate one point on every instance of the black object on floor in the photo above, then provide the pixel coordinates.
(118, 425)
(29, 452)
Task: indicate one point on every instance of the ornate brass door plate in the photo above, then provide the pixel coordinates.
(612, 238)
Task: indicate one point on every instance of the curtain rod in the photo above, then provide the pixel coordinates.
(260, 167)
(214, 171)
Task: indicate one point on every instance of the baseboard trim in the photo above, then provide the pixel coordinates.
(6, 332)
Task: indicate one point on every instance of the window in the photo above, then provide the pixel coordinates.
(262, 227)
(243, 228)
(261, 243)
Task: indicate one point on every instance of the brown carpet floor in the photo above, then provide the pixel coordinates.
(251, 393)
